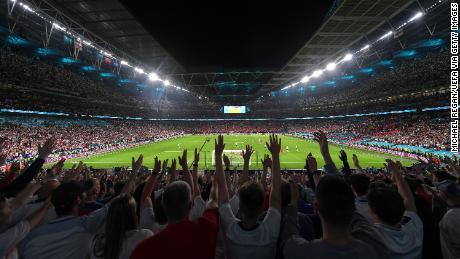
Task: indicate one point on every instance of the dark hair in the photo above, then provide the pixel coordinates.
(176, 201)
(65, 197)
(158, 210)
(442, 176)
(121, 217)
(89, 184)
(360, 183)
(336, 201)
(387, 204)
(252, 197)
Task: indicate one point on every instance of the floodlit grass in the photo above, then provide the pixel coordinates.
(292, 159)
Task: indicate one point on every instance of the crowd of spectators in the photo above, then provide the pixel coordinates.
(175, 211)
(84, 136)
(30, 84)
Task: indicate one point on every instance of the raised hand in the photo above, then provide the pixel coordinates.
(226, 161)
(219, 146)
(137, 164)
(56, 169)
(164, 166)
(343, 156)
(321, 138)
(247, 153)
(196, 157)
(156, 165)
(183, 160)
(266, 162)
(275, 145)
(47, 148)
(311, 162)
(173, 167)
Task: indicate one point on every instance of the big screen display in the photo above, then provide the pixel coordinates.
(234, 109)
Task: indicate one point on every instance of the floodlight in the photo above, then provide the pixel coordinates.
(317, 73)
(365, 47)
(166, 83)
(305, 79)
(153, 77)
(348, 57)
(331, 66)
(124, 62)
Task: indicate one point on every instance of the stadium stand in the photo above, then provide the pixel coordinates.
(73, 88)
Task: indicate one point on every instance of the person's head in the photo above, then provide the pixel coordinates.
(47, 188)
(121, 217)
(5, 211)
(335, 201)
(441, 175)
(92, 189)
(177, 201)
(360, 184)
(386, 205)
(66, 198)
(450, 192)
(252, 197)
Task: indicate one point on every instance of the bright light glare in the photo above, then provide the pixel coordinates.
(331, 66)
(305, 79)
(416, 16)
(386, 35)
(124, 62)
(153, 77)
(348, 57)
(167, 83)
(317, 73)
(139, 70)
(365, 47)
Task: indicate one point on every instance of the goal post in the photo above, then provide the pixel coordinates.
(235, 157)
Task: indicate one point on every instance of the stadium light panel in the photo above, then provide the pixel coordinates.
(317, 73)
(348, 57)
(416, 16)
(331, 66)
(305, 79)
(124, 62)
(385, 35)
(154, 77)
(139, 70)
(365, 47)
(167, 83)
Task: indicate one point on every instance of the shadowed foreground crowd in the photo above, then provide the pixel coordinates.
(174, 211)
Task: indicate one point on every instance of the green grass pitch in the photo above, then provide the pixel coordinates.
(290, 159)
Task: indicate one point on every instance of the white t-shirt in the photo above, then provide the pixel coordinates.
(257, 243)
(11, 237)
(66, 237)
(449, 228)
(405, 242)
(362, 207)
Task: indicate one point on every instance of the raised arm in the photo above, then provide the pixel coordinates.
(222, 192)
(148, 187)
(130, 186)
(186, 176)
(24, 179)
(346, 166)
(246, 157)
(275, 193)
(266, 163)
(356, 163)
(196, 187)
(329, 165)
(403, 187)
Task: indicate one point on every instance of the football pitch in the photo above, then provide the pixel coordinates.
(294, 151)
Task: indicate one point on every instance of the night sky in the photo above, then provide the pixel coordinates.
(231, 35)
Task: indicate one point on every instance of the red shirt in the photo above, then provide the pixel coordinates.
(187, 239)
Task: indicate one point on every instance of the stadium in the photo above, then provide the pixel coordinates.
(131, 129)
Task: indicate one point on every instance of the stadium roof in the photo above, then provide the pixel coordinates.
(349, 22)
(111, 21)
